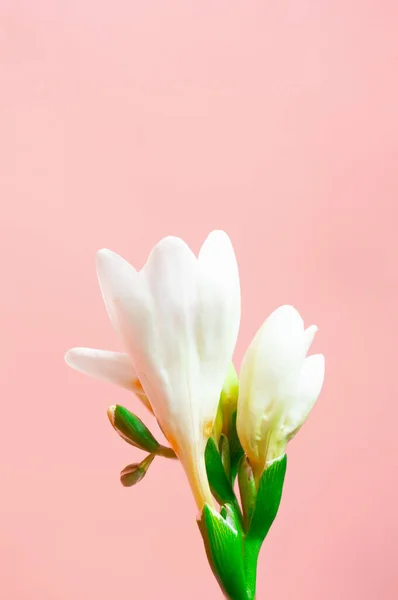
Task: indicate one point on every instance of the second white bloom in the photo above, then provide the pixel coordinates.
(278, 386)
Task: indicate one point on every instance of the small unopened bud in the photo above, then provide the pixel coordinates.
(132, 429)
(133, 473)
(134, 432)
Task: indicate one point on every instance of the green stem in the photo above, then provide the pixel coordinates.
(166, 452)
(238, 512)
(251, 552)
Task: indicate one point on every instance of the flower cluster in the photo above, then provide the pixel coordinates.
(178, 319)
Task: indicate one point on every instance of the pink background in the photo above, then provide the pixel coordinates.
(125, 121)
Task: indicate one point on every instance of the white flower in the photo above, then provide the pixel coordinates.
(278, 386)
(178, 319)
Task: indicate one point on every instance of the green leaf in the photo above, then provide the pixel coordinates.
(220, 485)
(134, 432)
(224, 549)
(235, 447)
(135, 472)
(268, 499)
(247, 489)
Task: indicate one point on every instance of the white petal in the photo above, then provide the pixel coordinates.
(220, 274)
(166, 345)
(220, 294)
(114, 367)
(277, 354)
(217, 259)
(168, 266)
(311, 382)
(170, 275)
(126, 298)
(309, 335)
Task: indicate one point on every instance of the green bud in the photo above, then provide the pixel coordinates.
(225, 455)
(134, 432)
(229, 398)
(224, 549)
(268, 499)
(247, 489)
(133, 474)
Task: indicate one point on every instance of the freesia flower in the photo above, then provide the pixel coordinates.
(279, 385)
(178, 319)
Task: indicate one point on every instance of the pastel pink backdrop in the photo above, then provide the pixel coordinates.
(125, 121)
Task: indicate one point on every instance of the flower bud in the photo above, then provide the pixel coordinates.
(133, 473)
(134, 432)
(279, 385)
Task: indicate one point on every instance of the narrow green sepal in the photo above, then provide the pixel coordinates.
(269, 496)
(217, 427)
(220, 484)
(229, 399)
(134, 432)
(224, 549)
(225, 455)
(236, 450)
(247, 489)
(135, 472)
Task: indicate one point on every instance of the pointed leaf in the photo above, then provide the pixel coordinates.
(220, 485)
(224, 549)
(268, 499)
